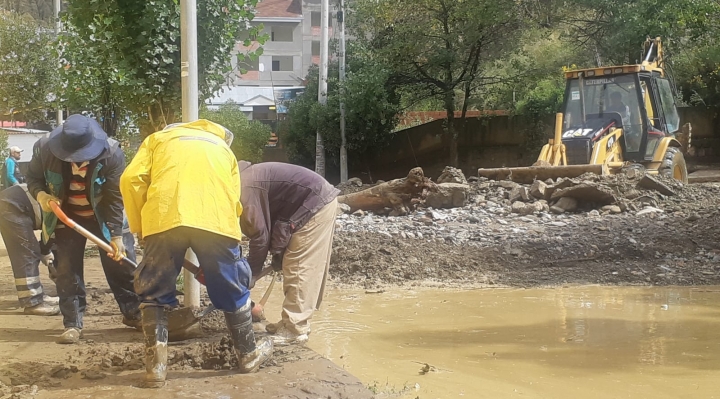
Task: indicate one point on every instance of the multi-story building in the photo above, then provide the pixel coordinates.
(293, 46)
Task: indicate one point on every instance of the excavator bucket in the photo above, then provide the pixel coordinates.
(527, 175)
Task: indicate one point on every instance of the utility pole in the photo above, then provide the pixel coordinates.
(322, 83)
(343, 149)
(189, 79)
(58, 27)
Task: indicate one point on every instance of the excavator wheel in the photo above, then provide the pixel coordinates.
(673, 165)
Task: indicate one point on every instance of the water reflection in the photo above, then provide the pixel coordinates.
(556, 342)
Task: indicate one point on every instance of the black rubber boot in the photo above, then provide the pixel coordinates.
(155, 328)
(251, 355)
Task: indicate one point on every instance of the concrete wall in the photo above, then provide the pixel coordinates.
(25, 142)
(498, 141)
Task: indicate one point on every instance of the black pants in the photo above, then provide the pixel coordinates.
(23, 250)
(70, 274)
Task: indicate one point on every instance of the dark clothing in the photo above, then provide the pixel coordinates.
(278, 199)
(70, 274)
(227, 274)
(18, 221)
(50, 174)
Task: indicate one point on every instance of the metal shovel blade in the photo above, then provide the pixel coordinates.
(181, 321)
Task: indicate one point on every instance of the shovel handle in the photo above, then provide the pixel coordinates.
(265, 297)
(85, 233)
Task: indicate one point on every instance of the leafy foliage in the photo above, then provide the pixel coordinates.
(127, 54)
(28, 73)
(371, 108)
(250, 136)
(4, 150)
(435, 47)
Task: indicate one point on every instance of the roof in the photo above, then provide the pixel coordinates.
(19, 130)
(279, 9)
(12, 124)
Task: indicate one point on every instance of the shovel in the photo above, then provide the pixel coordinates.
(178, 320)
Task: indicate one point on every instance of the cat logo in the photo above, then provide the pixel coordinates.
(610, 143)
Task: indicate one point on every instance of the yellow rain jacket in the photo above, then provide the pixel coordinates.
(183, 176)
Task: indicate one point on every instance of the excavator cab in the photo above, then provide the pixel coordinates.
(612, 117)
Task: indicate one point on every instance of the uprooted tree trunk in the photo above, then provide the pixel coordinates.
(400, 195)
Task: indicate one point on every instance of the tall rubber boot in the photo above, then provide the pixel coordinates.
(251, 355)
(155, 329)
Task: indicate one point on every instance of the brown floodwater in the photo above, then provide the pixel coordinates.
(578, 342)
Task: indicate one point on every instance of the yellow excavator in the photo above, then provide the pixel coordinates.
(613, 118)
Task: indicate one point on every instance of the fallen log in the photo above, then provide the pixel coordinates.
(400, 195)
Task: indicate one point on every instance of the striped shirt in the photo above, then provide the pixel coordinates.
(77, 202)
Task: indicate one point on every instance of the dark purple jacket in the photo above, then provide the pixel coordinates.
(278, 199)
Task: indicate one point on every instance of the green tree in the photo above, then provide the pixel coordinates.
(250, 136)
(371, 111)
(4, 150)
(28, 70)
(127, 54)
(438, 48)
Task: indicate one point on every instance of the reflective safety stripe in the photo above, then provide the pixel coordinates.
(27, 281)
(30, 293)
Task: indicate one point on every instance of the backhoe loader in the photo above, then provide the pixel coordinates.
(613, 118)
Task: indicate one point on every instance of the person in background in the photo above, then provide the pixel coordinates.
(11, 173)
(79, 167)
(290, 213)
(182, 190)
(20, 216)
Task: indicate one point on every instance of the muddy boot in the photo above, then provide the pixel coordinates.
(155, 328)
(251, 355)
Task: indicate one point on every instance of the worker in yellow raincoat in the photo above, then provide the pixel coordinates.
(182, 190)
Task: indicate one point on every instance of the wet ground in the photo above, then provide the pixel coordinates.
(579, 342)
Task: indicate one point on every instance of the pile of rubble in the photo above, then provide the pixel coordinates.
(626, 226)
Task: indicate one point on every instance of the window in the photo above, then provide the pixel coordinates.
(607, 94)
(315, 48)
(672, 119)
(315, 18)
(281, 33)
(282, 63)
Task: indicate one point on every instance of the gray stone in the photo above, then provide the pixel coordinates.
(355, 181)
(567, 204)
(650, 183)
(614, 209)
(522, 208)
(648, 210)
(520, 193)
(538, 189)
(448, 195)
(452, 175)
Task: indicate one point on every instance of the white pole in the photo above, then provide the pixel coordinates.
(58, 27)
(189, 78)
(343, 150)
(322, 84)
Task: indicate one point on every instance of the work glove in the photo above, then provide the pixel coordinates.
(118, 247)
(46, 259)
(44, 200)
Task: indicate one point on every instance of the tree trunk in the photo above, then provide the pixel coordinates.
(450, 127)
(400, 195)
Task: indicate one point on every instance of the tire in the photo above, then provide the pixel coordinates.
(674, 166)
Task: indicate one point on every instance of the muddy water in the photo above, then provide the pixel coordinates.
(588, 342)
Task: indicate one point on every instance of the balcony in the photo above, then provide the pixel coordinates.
(316, 31)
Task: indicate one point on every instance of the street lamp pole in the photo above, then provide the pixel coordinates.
(189, 79)
(322, 83)
(343, 149)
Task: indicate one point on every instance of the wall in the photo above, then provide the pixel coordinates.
(25, 142)
(497, 141)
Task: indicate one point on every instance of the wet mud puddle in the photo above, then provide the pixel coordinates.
(584, 342)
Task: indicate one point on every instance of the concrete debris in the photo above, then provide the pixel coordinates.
(452, 175)
(448, 195)
(520, 193)
(649, 210)
(537, 189)
(650, 183)
(566, 204)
